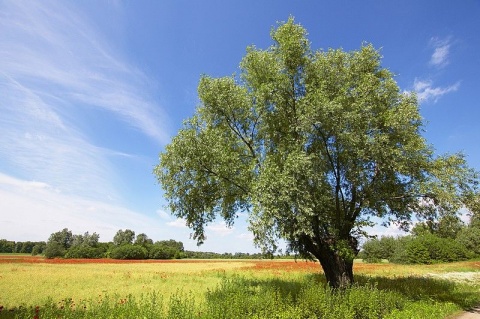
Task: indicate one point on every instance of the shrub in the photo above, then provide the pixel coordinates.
(129, 252)
(375, 249)
(84, 251)
(470, 239)
(54, 249)
(427, 249)
(162, 252)
(399, 255)
(417, 253)
(38, 248)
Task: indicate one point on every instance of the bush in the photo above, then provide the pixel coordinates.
(166, 249)
(38, 248)
(54, 249)
(427, 249)
(470, 239)
(375, 249)
(84, 251)
(128, 252)
(417, 253)
(162, 252)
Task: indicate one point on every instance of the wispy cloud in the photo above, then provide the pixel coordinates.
(49, 46)
(220, 229)
(440, 56)
(57, 71)
(425, 88)
(38, 210)
(178, 223)
(163, 214)
(426, 91)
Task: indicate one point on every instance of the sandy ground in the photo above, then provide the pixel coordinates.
(471, 314)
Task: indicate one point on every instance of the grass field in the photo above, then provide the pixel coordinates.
(32, 287)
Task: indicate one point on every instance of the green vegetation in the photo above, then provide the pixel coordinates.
(431, 242)
(210, 290)
(64, 244)
(311, 144)
(28, 247)
(124, 246)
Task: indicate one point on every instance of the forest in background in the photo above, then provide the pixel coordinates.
(125, 245)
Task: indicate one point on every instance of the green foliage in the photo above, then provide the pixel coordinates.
(7, 246)
(143, 240)
(58, 243)
(27, 247)
(166, 249)
(64, 238)
(447, 226)
(312, 144)
(123, 237)
(39, 248)
(424, 248)
(400, 255)
(128, 251)
(377, 249)
(54, 249)
(85, 251)
(469, 238)
(417, 252)
(90, 240)
(305, 297)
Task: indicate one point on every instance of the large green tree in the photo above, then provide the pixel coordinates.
(311, 144)
(123, 237)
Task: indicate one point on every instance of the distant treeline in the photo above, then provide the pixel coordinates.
(446, 240)
(26, 247)
(125, 245)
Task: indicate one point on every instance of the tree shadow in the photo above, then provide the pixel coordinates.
(414, 288)
(418, 288)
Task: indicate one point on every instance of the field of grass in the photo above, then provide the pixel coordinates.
(32, 287)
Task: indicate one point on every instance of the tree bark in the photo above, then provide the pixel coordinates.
(338, 270)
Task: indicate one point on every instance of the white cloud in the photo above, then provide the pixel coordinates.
(56, 72)
(163, 214)
(220, 229)
(426, 91)
(179, 223)
(32, 210)
(246, 236)
(441, 51)
(49, 44)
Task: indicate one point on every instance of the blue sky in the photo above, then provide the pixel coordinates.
(92, 91)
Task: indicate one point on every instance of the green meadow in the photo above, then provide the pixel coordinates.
(231, 289)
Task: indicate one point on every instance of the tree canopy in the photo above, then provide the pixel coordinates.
(311, 144)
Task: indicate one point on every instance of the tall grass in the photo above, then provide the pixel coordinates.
(226, 289)
(305, 296)
(33, 283)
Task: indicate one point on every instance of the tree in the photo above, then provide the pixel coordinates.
(447, 226)
(87, 239)
(377, 249)
(166, 249)
(311, 145)
(7, 246)
(39, 248)
(123, 237)
(143, 240)
(129, 252)
(58, 243)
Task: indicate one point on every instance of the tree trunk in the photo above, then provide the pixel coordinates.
(337, 269)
